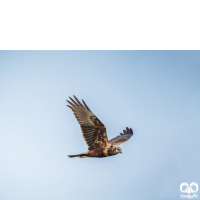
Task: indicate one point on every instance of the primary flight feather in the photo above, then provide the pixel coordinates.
(94, 132)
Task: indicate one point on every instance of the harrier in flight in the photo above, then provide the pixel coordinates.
(94, 132)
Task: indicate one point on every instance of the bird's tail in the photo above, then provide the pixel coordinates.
(81, 155)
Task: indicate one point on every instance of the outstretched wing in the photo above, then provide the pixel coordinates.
(93, 130)
(123, 137)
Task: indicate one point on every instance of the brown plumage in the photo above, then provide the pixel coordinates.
(94, 132)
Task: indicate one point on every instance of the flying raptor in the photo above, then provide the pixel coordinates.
(94, 132)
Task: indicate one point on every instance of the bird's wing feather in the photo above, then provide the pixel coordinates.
(123, 137)
(93, 130)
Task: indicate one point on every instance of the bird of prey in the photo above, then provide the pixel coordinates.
(94, 132)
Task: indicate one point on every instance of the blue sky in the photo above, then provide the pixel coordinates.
(157, 93)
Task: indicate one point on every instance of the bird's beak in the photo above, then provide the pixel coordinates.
(120, 151)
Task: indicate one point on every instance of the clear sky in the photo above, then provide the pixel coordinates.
(156, 93)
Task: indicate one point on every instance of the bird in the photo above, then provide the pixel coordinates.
(94, 132)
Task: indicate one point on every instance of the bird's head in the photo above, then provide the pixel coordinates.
(118, 150)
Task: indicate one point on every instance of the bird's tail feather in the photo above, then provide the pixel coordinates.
(81, 155)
